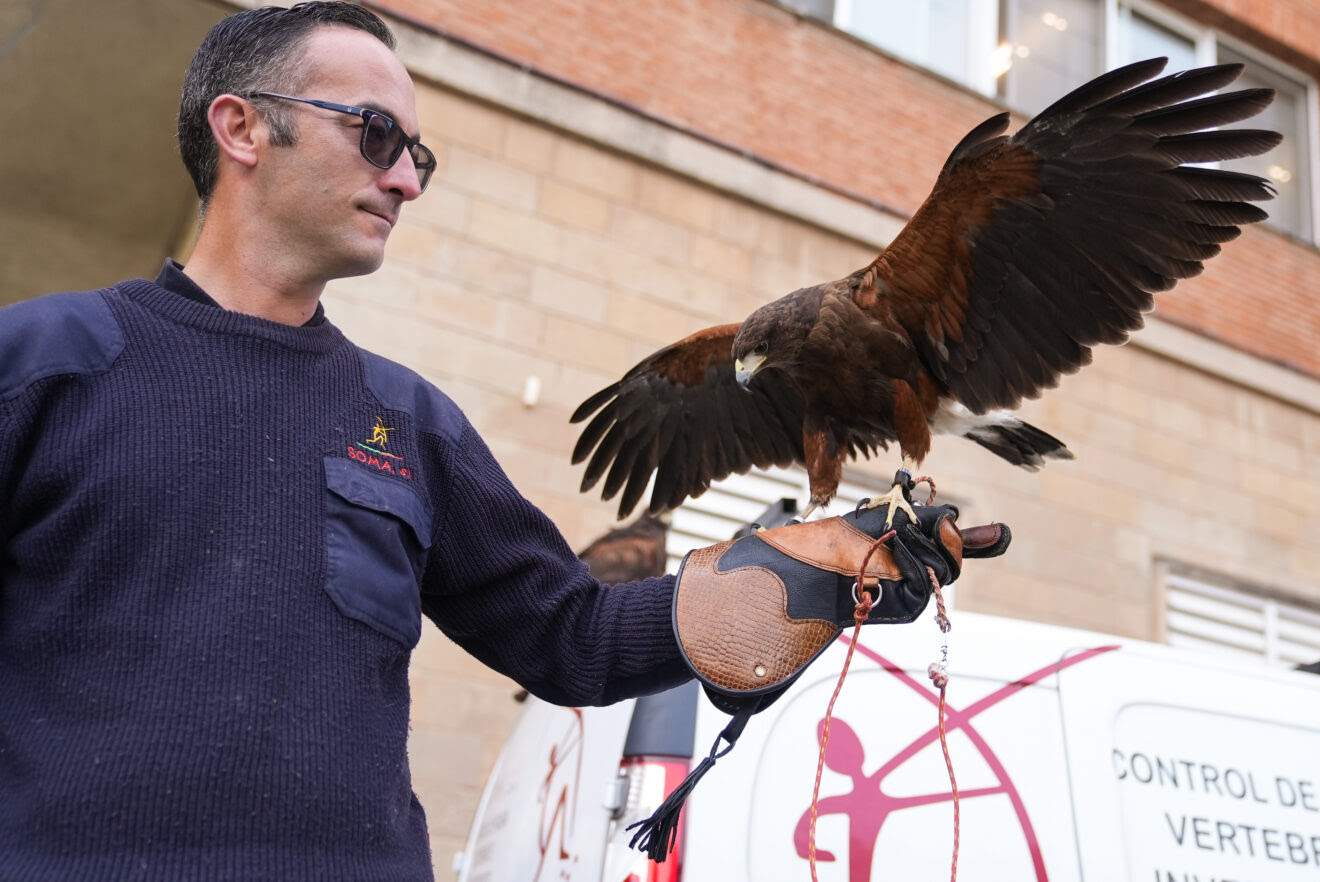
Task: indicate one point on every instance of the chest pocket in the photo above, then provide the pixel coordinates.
(377, 533)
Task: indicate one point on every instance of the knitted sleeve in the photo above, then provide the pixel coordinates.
(45, 340)
(8, 469)
(502, 582)
(19, 420)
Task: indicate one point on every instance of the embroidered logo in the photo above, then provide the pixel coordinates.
(380, 434)
(372, 452)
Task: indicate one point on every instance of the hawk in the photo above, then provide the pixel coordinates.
(1029, 251)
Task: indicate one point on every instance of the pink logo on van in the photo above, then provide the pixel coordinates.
(867, 806)
(558, 796)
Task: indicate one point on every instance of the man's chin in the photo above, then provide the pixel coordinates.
(363, 260)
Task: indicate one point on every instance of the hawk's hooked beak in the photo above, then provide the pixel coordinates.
(745, 370)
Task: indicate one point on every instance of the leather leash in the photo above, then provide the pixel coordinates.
(937, 671)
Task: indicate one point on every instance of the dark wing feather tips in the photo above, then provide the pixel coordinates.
(680, 414)
(1032, 249)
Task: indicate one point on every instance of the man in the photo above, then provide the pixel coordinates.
(222, 521)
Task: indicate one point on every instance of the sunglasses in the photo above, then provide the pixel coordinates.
(383, 139)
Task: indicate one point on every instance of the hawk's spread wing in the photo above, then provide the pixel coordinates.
(681, 411)
(1034, 248)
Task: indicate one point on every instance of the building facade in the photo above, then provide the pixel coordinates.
(614, 176)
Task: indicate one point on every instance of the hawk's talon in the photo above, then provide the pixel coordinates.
(896, 499)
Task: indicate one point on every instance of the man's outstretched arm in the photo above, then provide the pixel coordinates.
(503, 583)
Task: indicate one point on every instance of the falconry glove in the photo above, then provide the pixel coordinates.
(751, 614)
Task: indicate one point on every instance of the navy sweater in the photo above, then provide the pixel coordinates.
(217, 539)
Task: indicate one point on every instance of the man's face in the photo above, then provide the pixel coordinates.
(324, 198)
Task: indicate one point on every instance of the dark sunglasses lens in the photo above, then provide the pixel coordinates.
(424, 161)
(381, 141)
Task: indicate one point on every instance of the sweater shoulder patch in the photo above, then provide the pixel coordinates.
(399, 388)
(67, 333)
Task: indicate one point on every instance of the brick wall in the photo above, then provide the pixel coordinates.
(1287, 29)
(535, 253)
(756, 76)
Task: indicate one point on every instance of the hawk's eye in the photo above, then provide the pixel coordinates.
(762, 348)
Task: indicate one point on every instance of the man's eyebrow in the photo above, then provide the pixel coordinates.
(380, 108)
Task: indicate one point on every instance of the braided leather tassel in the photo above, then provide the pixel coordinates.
(656, 835)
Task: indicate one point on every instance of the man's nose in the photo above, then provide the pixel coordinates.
(402, 178)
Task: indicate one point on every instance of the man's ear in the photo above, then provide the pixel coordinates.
(234, 126)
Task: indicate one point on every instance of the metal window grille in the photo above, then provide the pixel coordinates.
(1222, 618)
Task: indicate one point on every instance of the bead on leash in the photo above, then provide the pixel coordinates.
(939, 675)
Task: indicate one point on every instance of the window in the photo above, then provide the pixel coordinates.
(1140, 37)
(1287, 165)
(1050, 46)
(1030, 52)
(1219, 616)
(951, 37)
(1145, 30)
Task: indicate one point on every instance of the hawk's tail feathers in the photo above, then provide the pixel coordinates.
(1020, 443)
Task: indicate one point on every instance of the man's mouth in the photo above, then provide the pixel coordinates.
(389, 219)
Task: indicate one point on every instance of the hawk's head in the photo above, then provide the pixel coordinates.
(773, 336)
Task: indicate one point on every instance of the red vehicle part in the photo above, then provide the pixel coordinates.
(650, 779)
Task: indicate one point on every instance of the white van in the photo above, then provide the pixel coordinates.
(1078, 757)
